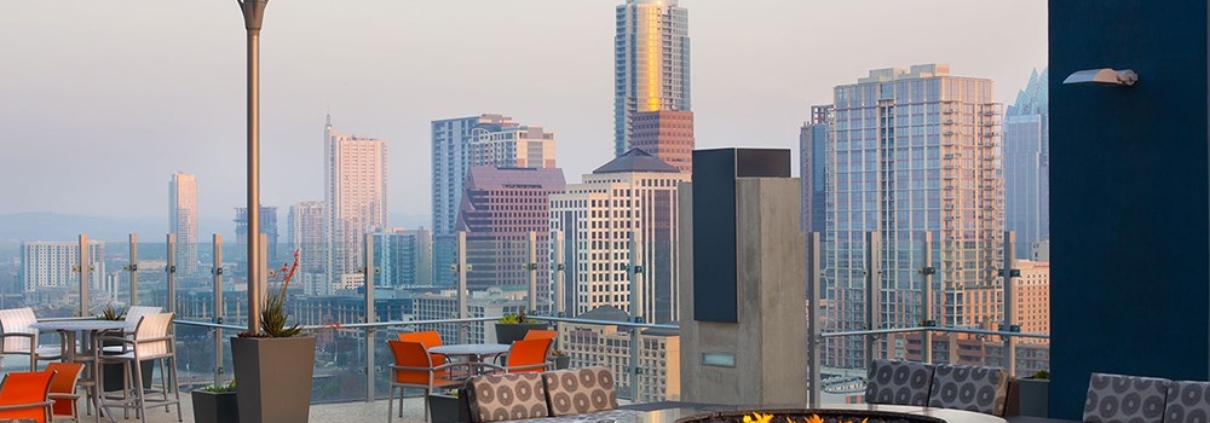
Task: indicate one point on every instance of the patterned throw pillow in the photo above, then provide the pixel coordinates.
(506, 397)
(580, 391)
(970, 388)
(1188, 402)
(1125, 399)
(898, 382)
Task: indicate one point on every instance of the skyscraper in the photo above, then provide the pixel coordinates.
(308, 233)
(500, 207)
(667, 135)
(268, 226)
(460, 143)
(1027, 164)
(631, 197)
(182, 220)
(50, 264)
(355, 198)
(912, 152)
(403, 258)
(651, 63)
(812, 156)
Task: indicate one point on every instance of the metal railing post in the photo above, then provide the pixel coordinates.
(560, 274)
(170, 269)
(371, 315)
(1010, 344)
(217, 272)
(873, 290)
(532, 267)
(133, 268)
(814, 279)
(462, 300)
(637, 289)
(634, 361)
(85, 271)
(926, 306)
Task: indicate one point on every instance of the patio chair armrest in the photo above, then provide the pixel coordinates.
(19, 334)
(542, 365)
(414, 369)
(64, 396)
(466, 364)
(26, 406)
(156, 339)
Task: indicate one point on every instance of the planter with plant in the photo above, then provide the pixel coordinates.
(215, 404)
(562, 360)
(513, 327)
(274, 365)
(1033, 395)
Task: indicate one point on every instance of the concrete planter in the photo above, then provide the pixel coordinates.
(215, 407)
(274, 377)
(562, 362)
(1034, 397)
(507, 333)
(444, 409)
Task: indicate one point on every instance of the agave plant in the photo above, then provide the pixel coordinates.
(110, 313)
(273, 316)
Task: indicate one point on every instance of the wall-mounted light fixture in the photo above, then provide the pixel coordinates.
(1104, 76)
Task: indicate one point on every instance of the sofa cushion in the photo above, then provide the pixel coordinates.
(580, 391)
(970, 388)
(1125, 399)
(1188, 402)
(898, 382)
(515, 396)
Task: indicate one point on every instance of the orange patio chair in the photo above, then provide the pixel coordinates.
(414, 368)
(430, 339)
(541, 334)
(525, 356)
(63, 389)
(25, 395)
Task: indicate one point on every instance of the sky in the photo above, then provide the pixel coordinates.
(102, 101)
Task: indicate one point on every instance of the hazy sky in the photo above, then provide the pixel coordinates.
(101, 101)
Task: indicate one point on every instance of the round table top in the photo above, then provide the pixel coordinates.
(470, 349)
(81, 325)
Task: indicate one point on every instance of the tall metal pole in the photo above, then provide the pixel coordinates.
(926, 349)
(217, 271)
(532, 267)
(254, 15)
(560, 274)
(85, 266)
(636, 311)
(1010, 318)
(170, 303)
(873, 288)
(134, 270)
(814, 276)
(371, 316)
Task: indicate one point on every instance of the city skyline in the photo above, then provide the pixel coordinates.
(572, 97)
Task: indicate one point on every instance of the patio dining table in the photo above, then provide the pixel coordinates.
(86, 331)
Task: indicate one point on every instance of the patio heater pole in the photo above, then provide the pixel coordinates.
(254, 15)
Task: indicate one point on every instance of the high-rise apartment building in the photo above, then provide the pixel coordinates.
(651, 63)
(268, 226)
(460, 143)
(355, 198)
(633, 197)
(910, 152)
(812, 159)
(659, 354)
(182, 220)
(403, 258)
(500, 208)
(1031, 299)
(513, 146)
(53, 264)
(308, 233)
(1027, 164)
(667, 135)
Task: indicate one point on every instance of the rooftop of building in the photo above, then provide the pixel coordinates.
(635, 161)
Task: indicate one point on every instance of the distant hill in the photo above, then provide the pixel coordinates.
(45, 226)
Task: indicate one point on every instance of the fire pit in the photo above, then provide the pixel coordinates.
(809, 416)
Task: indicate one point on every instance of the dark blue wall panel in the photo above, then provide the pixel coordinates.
(1129, 195)
(714, 266)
